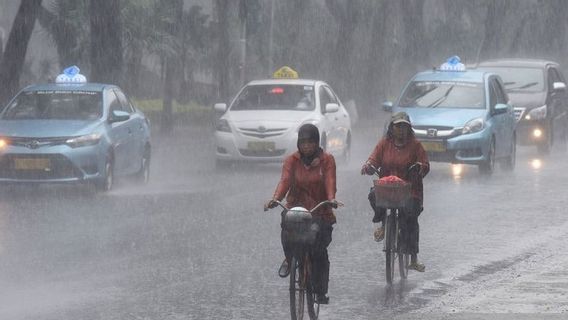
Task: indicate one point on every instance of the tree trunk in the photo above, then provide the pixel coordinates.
(106, 41)
(222, 49)
(16, 47)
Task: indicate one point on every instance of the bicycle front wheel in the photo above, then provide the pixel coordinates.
(313, 306)
(390, 252)
(297, 289)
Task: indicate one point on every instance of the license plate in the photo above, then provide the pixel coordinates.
(433, 146)
(31, 164)
(261, 145)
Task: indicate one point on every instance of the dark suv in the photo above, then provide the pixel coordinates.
(537, 90)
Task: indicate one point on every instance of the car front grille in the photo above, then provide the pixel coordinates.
(519, 112)
(59, 167)
(262, 153)
(35, 143)
(262, 132)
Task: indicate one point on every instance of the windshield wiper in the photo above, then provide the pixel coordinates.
(440, 99)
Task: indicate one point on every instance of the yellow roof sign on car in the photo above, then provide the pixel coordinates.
(285, 73)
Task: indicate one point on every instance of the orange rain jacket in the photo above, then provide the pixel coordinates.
(306, 186)
(395, 161)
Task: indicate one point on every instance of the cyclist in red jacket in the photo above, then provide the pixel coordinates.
(394, 155)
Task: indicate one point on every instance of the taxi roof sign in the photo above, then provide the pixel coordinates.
(285, 73)
(453, 64)
(71, 75)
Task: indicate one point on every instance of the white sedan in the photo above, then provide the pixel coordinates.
(261, 124)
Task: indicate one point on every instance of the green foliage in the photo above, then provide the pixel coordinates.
(191, 112)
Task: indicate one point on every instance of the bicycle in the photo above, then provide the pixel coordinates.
(302, 233)
(393, 197)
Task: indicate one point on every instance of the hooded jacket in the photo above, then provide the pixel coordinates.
(395, 160)
(307, 185)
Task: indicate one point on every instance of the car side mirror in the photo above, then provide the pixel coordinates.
(559, 86)
(118, 116)
(220, 107)
(500, 108)
(387, 106)
(331, 108)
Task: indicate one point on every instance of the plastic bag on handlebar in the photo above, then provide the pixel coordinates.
(392, 192)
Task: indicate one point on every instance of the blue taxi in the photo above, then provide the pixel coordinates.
(73, 131)
(461, 116)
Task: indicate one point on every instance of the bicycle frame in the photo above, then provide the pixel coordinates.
(301, 292)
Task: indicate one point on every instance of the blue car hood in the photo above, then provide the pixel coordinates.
(46, 128)
(448, 117)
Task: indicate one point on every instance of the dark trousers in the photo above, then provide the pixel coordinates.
(408, 221)
(320, 259)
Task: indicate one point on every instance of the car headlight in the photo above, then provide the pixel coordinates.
(223, 125)
(83, 141)
(537, 113)
(474, 125)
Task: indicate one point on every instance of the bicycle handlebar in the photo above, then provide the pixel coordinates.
(339, 204)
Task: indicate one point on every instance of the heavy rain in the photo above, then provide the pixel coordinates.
(184, 236)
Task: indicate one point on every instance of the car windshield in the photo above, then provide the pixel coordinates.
(57, 105)
(275, 97)
(520, 79)
(443, 94)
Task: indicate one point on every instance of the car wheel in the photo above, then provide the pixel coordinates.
(107, 180)
(323, 143)
(487, 167)
(544, 147)
(509, 162)
(222, 164)
(346, 155)
(143, 175)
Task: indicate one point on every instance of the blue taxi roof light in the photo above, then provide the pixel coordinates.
(71, 75)
(453, 64)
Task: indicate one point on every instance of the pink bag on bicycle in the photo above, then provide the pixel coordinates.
(391, 192)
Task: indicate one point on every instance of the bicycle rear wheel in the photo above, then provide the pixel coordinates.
(390, 253)
(297, 289)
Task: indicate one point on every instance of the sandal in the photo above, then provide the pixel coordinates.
(417, 266)
(379, 234)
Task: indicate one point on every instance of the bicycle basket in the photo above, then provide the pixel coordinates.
(299, 227)
(392, 192)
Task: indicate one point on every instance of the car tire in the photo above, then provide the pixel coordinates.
(143, 175)
(545, 147)
(222, 164)
(346, 155)
(488, 166)
(106, 182)
(509, 162)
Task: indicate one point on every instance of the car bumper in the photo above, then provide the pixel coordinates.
(243, 148)
(532, 132)
(53, 164)
(467, 149)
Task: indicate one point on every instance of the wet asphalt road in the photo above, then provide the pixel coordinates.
(195, 244)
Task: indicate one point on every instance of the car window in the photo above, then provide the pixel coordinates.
(57, 105)
(325, 98)
(553, 77)
(499, 96)
(275, 97)
(520, 78)
(113, 102)
(443, 94)
(126, 105)
(332, 97)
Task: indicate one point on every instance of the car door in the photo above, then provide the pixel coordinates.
(327, 118)
(342, 123)
(120, 134)
(136, 129)
(503, 122)
(557, 101)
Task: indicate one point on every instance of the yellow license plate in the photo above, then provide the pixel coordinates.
(260, 145)
(31, 164)
(433, 146)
